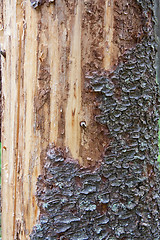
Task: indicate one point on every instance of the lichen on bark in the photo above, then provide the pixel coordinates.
(38, 3)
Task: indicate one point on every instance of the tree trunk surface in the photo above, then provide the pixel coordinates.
(80, 112)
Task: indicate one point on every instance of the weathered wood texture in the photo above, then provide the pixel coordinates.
(60, 57)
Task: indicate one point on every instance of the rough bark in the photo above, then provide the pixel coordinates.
(157, 28)
(82, 82)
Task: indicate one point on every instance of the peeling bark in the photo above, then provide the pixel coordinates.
(84, 106)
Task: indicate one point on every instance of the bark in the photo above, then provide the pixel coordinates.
(80, 91)
(157, 30)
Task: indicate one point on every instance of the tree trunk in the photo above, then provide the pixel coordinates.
(80, 112)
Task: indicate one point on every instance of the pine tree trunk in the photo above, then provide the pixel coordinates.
(80, 112)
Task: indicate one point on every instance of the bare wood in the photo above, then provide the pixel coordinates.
(1, 22)
(109, 50)
(20, 167)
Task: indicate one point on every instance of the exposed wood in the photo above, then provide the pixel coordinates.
(1, 22)
(110, 51)
(21, 163)
(73, 110)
